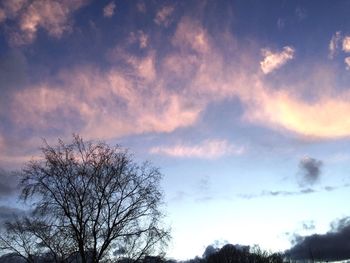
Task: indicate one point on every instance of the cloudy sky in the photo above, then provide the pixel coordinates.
(244, 105)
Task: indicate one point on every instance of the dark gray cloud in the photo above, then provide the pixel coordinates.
(278, 193)
(8, 183)
(8, 213)
(310, 170)
(308, 225)
(204, 184)
(332, 246)
(304, 191)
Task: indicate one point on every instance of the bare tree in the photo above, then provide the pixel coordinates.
(15, 238)
(94, 198)
(32, 239)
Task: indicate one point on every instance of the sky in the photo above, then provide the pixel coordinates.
(243, 105)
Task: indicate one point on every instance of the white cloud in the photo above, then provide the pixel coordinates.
(273, 61)
(334, 44)
(108, 10)
(163, 15)
(346, 44)
(209, 149)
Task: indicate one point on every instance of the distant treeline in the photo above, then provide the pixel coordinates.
(236, 254)
(227, 254)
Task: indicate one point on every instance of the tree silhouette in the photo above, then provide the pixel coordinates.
(92, 199)
(243, 254)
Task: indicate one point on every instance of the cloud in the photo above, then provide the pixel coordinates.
(52, 16)
(139, 37)
(141, 7)
(321, 118)
(108, 10)
(310, 170)
(277, 193)
(190, 35)
(104, 104)
(204, 184)
(346, 44)
(152, 91)
(275, 60)
(300, 13)
(8, 183)
(281, 23)
(334, 44)
(308, 225)
(283, 193)
(163, 16)
(347, 62)
(209, 149)
(8, 213)
(332, 246)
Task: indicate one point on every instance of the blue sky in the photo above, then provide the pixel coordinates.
(244, 105)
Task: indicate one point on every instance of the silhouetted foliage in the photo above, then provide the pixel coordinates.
(91, 199)
(242, 254)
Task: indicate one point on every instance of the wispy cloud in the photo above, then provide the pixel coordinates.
(284, 193)
(275, 60)
(308, 225)
(104, 104)
(277, 193)
(8, 183)
(146, 92)
(209, 149)
(282, 109)
(163, 16)
(346, 44)
(191, 35)
(108, 10)
(347, 62)
(334, 44)
(8, 213)
(139, 37)
(29, 16)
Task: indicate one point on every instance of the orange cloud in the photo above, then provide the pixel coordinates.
(323, 118)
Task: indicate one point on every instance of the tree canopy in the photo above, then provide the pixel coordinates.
(89, 201)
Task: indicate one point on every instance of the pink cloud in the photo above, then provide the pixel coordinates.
(108, 104)
(209, 149)
(190, 34)
(275, 60)
(163, 16)
(108, 10)
(52, 16)
(161, 94)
